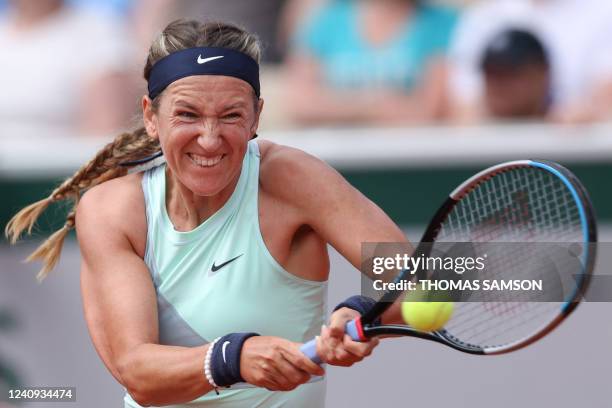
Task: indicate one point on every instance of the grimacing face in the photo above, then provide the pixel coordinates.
(203, 123)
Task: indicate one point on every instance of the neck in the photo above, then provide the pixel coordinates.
(186, 209)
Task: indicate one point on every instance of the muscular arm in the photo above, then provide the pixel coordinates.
(328, 204)
(120, 305)
(341, 216)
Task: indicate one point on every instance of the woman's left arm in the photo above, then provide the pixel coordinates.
(343, 217)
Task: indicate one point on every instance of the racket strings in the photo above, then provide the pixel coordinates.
(501, 314)
(528, 205)
(524, 208)
(489, 334)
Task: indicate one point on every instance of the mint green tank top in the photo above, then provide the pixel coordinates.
(220, 278)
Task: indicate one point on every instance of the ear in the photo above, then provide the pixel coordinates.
(149, 117)
(260, 104)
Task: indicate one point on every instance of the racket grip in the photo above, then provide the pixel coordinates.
(310, 350)
(352, 330)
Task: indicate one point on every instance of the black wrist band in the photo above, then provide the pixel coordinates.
(225, 359)
(358, 303)
(361, 304)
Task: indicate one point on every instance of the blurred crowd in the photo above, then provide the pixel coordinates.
(73, 67)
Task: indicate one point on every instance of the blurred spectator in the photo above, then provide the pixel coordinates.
(370, 61)
(293, 14)
(516, 75)
(63, 71)
(576, 36)
(118, 7)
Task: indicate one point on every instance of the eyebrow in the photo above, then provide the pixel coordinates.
(185, 104)
(235, 105)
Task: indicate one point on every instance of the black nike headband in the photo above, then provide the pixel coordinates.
(203, 61)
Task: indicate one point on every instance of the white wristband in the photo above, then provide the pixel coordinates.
(207, 372)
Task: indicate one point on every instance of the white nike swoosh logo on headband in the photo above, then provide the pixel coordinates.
(223, 350)
(205, 60)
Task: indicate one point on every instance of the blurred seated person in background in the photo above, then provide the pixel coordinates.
(64, 71)
(516, 77)
(370, 61)
(577, 37)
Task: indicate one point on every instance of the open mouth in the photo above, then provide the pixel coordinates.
(202, 161)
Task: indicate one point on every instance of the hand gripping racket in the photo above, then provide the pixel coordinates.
(526, 201)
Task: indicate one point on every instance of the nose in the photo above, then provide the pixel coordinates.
(210, 137)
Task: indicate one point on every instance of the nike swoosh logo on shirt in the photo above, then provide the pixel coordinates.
(205, 60)
(215, 268)
(223, 350)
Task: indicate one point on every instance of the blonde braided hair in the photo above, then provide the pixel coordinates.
(104, 166)
(127, 147)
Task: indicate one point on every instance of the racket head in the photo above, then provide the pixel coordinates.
(527, 203)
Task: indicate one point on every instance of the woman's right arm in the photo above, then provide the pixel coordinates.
(120, 306)
(121, 312)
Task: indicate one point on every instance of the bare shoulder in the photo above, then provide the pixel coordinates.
(324, 200)
(304, 182)
(113, 197)
(284, 168)
(115, 207)
(274, 152)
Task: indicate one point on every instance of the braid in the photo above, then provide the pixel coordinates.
(104, 166)
(49, 251)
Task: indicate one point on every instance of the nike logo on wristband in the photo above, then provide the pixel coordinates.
(215, 268)
(223, 350)
(205, 60)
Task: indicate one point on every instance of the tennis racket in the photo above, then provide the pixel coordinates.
(529, 202)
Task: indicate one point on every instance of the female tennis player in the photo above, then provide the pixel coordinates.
(210, 270)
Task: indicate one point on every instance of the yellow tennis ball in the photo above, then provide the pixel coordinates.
(427, 316)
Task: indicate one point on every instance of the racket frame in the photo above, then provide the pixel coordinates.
(364, 326)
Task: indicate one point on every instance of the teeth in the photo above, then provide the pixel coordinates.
(205, 161)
